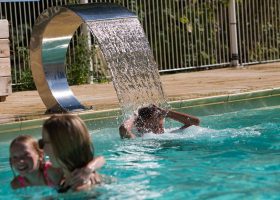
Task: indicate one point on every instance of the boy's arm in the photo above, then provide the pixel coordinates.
(186, 119)
(125, 129)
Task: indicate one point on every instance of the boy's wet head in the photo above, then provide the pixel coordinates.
(150, 118)
(146, 113)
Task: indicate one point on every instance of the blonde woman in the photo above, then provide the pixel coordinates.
(66, 140)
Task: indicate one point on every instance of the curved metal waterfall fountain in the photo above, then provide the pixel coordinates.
(50, 40)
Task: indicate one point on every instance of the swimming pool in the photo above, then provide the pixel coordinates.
(233, 155)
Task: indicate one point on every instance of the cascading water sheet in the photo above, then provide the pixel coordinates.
(131, 62)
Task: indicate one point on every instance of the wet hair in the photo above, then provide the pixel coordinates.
(70, 140)
(146, 113)
(28, 140)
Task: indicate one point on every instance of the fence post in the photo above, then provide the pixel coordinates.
(233, 34)
(86, 32)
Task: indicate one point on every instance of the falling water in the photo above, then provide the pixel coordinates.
(130, 60)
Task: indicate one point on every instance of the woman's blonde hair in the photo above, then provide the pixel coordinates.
(70, 140)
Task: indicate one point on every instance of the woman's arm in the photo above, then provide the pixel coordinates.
(185, 119)
(81, 176)
(95, 164)
(94, 179)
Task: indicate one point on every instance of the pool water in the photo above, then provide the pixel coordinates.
(232, 155)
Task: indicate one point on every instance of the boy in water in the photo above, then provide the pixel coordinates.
(151, 119)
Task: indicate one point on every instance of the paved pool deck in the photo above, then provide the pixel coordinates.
(20, 106)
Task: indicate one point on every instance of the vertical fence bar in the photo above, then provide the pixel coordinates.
(268, 28)
(167, 31)
(26, 26)
(222, 54)
(13, 57)
(201, 29)
(239, 32)
(199, 50)
(233, 34)
(175, 57)
(262, 25)
(244, 10)
(16, 36)
(272, 20)
(183, 42)
(170, 43)
(253, 23)
(206, 31)
(210, 30)
(265, 32)
(218, 36)
(193, 52)
(159, 35)
(250, 30)
(277, 38)
(246, 26)
(179, 54)
(188, 36)
(273, 36)
(258, 30)
(226, 43)
(163, 5)
(149, 23)
(20, 37)
(155, 30)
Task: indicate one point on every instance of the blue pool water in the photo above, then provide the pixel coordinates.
(234, 155)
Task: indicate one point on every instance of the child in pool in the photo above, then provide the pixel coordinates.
(27, 159)
(151, 119)
(67, 143)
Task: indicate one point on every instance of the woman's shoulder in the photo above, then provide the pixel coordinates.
(54, 174)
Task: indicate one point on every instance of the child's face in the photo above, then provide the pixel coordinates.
(24, 158)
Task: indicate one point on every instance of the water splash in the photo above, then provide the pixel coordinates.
(201, 133)
(131, 62)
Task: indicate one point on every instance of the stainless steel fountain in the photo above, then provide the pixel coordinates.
(50, 39)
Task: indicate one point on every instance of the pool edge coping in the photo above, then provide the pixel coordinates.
(114, 113)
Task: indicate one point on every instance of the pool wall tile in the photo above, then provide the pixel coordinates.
(203, 101)
(275, 91)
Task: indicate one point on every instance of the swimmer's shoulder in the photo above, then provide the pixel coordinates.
(55, 175)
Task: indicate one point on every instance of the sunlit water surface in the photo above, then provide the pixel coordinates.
(231, 156)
